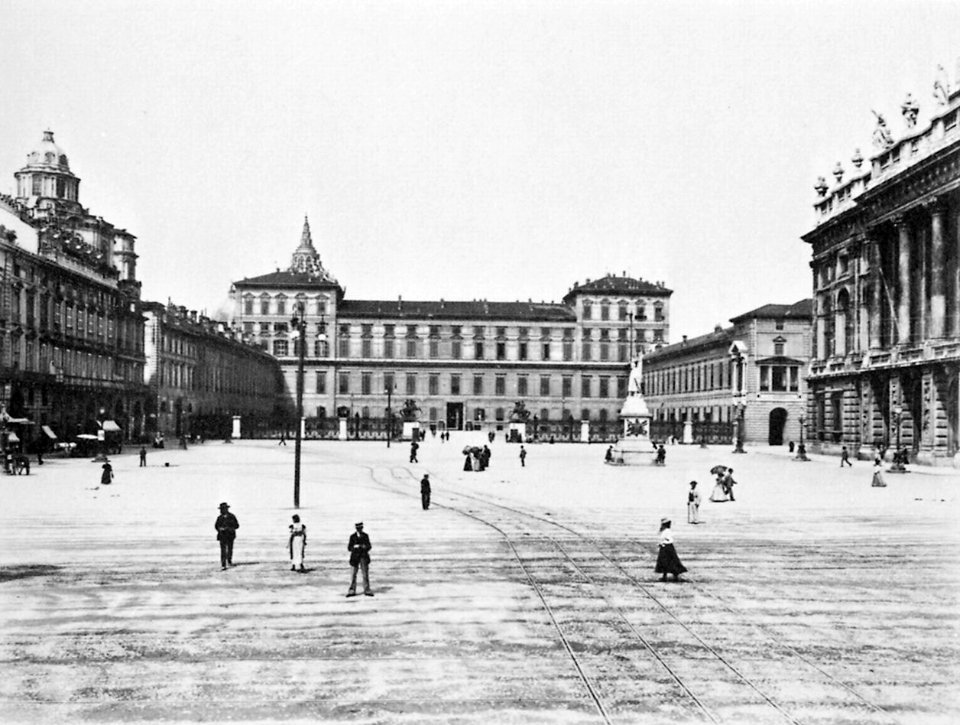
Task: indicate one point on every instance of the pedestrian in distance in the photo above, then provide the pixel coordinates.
(608, 457)
(226, 526)
(661, 456)
(878, 479)
(845, 457)
(667, 560)
(297, 544)
(729, 483)
(485, 458)
(143, 456)
(283, 438)
(693, 504)
(413, 451)
(719, 493)
(359, 547)
(106, 476)
(523, 456)
(425, 491)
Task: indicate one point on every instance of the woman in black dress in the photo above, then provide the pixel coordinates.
(667, 560)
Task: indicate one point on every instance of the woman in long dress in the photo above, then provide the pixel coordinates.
(667, 560)
(298, 543)
(878, 480)
(719, 493)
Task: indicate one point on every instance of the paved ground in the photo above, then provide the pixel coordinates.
(523, 595)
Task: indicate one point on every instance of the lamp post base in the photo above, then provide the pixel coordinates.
(802, 457)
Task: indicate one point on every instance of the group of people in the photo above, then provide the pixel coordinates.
(477, 459)
(723, 488)
(358, 545)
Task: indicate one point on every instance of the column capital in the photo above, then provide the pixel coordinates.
(935, 205)
(899, 221)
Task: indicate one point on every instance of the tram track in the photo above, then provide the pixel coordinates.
(505, 519)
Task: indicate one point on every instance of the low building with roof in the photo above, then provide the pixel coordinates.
(465, 364)
(749, 376)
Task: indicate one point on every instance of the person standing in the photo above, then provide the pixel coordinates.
(359, 547)
(693, 504)
(661, 455)
(298, 543)
(413, 451)
(878, 480)
(425, 491)
(143, 456)
(667, 560)
(523, 456)
(845, 457)
(719, 493)
(608, 456)
(106, 477)
(226, 526)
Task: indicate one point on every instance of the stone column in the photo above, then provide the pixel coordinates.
(876, 298)
(938, 273)
(903, 310)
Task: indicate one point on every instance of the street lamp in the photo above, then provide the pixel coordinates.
(389, 413)
(741, 410)
(801, 449)
(299, 324)
(898, 460)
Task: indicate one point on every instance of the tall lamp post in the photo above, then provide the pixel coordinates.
(299, 324)
(802, 448)
(741, 410)
(898, 460)
(389, 414)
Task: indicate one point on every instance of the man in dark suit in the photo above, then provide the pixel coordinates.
(226, 527)
(425, 491)
(359, 547)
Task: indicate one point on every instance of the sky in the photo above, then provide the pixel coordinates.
(466, 150)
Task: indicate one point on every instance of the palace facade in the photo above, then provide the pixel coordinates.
(201, 374)
(744, 381)
(886, 280)
(464, 364)
(71, 329)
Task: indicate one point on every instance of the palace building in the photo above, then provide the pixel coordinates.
(464, 364)
(886, 279)
(744, 381)
(71, 329)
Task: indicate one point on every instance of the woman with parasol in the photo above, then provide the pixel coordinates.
(719, 493)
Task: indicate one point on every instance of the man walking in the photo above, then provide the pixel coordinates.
(359, 547)
(845, 457)
(226, 527)
(413, 451)
(523, 456)
(425, 491)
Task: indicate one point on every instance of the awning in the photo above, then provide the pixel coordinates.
(111, 426)
(12, 438)
(86, 437)
(50, 434)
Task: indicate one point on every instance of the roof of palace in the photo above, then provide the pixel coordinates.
(456, 310)
(613, 284)
(802, 309)
(285, 278)
(720, 336)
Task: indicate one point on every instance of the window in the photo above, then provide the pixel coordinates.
(622, 311)
(779, 324)
(281, 305)
(388, 347)
(500, 385)
(343, 383)
(321, 306)
(343, 343)
(456, 349)
(544, 385)
(248, 305)
(411, 384)
(365, 383)
(587, 310)
(434, 346)
(778, 346)
(566, 386)
(321, 382)
(621, 387)
(478, 351)
(433, 384)
(498, 413)
(522, 385)
(478, 385)
(585, 385)
(501, 351)
(604, 310)
(411, 347)
(321, 348)
(522, 351)
(586, 356)
(604, 386)
(545, 351)
(279, 348)
(641, 312)
(658, 312)
(454, 385)
(388, 382)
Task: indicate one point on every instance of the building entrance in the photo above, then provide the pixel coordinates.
(778, 419)
(454, 416)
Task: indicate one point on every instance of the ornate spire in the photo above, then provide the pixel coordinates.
(306, 259)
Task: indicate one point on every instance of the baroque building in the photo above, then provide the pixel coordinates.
(744, 381)
(465, 364)
(201, 375)
(71, 330)
(886, 280)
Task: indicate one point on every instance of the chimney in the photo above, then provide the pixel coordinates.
(684, 340)
(718, 327)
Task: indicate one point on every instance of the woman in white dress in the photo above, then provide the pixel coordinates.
(298, 543)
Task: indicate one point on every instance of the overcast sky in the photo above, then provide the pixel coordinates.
(499, 150)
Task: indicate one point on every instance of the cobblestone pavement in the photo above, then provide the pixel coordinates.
(522, 595)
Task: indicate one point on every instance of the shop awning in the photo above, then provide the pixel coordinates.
(50, 434)
(111, 426)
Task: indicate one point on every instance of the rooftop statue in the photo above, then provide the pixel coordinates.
(882, 138)
(941, 86)
(910, 109)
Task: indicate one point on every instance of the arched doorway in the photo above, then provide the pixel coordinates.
(778, 420)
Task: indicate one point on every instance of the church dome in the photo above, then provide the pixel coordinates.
(48, 155)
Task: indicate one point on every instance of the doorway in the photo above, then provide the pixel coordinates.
(454, 416)
(778, 420)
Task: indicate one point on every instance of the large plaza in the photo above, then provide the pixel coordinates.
(522, 595)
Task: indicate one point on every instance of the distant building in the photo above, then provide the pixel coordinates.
(751, 371)
(201, 374)
(886, 278)
(465, 364)
(71, 331)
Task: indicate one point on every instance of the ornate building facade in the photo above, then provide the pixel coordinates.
(464, 363)
(748, 377)
(201, 374)
(71, 330)
(886, 279)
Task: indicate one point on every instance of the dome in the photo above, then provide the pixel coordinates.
(48, 154)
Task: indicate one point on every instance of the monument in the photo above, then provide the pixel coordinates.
(634, 441)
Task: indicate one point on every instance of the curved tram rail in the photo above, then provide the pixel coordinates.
(517, 528)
